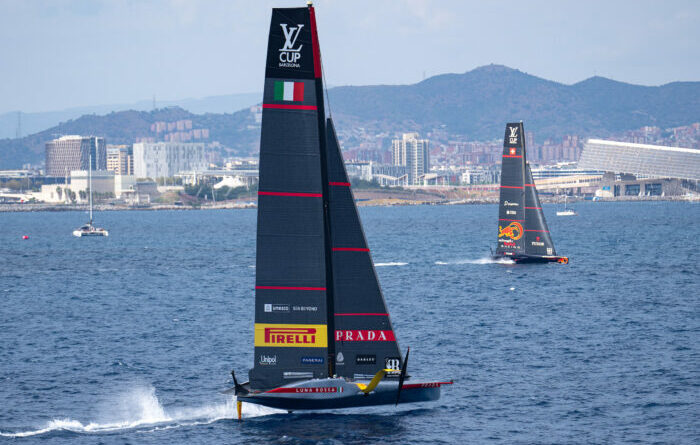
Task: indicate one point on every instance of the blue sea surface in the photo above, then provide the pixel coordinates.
(130, 339)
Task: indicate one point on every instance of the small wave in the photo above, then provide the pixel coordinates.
(389, 264)
(487, 260)
(141, 408)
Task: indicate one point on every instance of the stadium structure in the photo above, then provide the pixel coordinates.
(642, 169)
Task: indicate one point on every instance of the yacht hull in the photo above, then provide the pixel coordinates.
(533, 259)
(79, 234)
(336, 393)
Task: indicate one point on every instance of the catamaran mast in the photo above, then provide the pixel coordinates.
(90, 183)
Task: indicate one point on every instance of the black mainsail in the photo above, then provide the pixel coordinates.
(291, 291)
(511, 209)
(523, 234)
(323, 337)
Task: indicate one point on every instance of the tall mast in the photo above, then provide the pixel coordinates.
(321, 115)
(90, 182)
(524, 163)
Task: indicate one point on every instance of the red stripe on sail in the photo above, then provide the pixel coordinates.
(304, 195)
(314, 43)
(359, 315)
(529, 185)
(350, 249)
(298, 91)
(341, 184)
(510, 187)
(290, 107)
(289, 288)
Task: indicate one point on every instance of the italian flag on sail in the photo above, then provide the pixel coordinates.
(289, 91)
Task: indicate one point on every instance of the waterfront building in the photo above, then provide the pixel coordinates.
(120, 159)
(165, 159)
(73, 152)
(637, 170)
(413, 153)
(655, 161)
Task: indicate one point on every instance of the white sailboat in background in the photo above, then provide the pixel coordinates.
(88, 229)
(567, 211)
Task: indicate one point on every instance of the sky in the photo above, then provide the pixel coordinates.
(58, 54)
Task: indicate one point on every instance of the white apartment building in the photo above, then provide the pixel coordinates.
(165, 159)
(413, 153)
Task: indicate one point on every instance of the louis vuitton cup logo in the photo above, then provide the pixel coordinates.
(289, 54)
(513, 138)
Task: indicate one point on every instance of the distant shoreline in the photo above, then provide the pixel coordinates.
(383, 202)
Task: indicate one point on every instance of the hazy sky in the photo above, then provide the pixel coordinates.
(57, 54)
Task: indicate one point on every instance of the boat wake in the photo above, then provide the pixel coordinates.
(486, 260)
(389, 264)
(141, 410)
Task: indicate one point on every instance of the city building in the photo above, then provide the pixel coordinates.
(120, 159)
(413, 153)
(562, 169)
(480, 175)
(165, 159)
(644, 160)
(69, 153)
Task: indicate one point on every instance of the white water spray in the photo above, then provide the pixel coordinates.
(141, 408)
(486, 260)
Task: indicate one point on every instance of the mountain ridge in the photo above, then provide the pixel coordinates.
(473, 105)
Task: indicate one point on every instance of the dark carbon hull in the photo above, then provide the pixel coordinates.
(532, 259)
(345, 395)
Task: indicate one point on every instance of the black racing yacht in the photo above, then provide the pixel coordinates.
(323, 337)
(523, 235)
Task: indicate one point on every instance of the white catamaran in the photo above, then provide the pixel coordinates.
(88, 229)
(567, 211)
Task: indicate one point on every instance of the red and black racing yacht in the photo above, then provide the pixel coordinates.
(523, 235)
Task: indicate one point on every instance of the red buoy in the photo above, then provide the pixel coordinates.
(25, 237)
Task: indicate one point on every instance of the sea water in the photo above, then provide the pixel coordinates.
(131, 338)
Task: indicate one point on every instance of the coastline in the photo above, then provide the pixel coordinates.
(362, 201)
